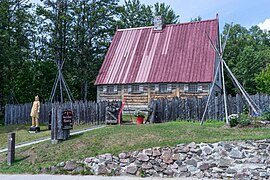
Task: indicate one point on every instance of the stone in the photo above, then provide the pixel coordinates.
(146, 166)
(263, 174)
(224, 162)
(263, 146)
(61, 164)
(108, 157)
(207, 150)
(156, 152)
(192, 162)
(227, 146)
(101, 170)
(124, 161)
(204, 166)
(175, 165)
(70, 165)
(255, 160)
(217, 170)
(167, 156)
(131, 169)
(142, 157)
(122, 155)
(236, 154)
(179, 163)
(231, 171)
(158, 168)
(192, 145)
(183, 169)
(184, 149)
(176, 157)
(148, 151)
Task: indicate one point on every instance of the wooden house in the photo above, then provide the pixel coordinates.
(161, 61)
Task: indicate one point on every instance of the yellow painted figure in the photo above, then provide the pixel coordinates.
(35, 111)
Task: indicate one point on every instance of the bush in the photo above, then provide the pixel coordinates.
(139, 114)
(244, 119)
(266, 114)
(233, 120)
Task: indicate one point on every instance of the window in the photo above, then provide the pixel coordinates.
(112, 89)
(199, 88)
(163, 88)
(192, 88)
(135, 88)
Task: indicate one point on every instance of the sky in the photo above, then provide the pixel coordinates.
(244, 12)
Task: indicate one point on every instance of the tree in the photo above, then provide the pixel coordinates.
(263, 80)
(169, 16)
(134, 14)
(197, 19)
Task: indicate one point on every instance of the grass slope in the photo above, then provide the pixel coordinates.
(116, 139)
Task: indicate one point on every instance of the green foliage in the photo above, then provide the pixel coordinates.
(134, 14)
(263, 79)
(139, 114)
(234, 120)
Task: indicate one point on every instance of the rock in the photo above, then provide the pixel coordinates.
(142, 157)
(108, 157)
(175, 165)
(192, 162)
(224, 163)
(158, 168)
(176, 157)
(101, 169)
(112, 166)
(70, 165)
(184, 149)
(255, 160)
(148, 151)
(263, 146)
(236, 154)
(183, 169)
(124, 161)
(231, 171)
(61, 164)
(192, 145)
(227, 146)
(207, 150)
(217, 170)
(131, 169)
(179, 163)
(204, 166)
(156, 152)
(146, 166)
(263, 174)
(167, 156)
(122, 155)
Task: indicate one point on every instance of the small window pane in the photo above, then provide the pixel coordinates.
(110, 89)
(135, 88)
(163, 88)
(192, 88)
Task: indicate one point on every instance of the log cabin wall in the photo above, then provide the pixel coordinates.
(139, 95)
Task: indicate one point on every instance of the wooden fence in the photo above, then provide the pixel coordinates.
(83, 112)
(192, 108)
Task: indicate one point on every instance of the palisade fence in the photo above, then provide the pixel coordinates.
(192, 108)
(83, 112)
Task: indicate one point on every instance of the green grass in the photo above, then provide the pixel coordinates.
(116, 139)
(23, 135)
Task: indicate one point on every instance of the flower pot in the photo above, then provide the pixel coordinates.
(139, 120)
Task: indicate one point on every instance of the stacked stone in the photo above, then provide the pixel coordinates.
(238, 160)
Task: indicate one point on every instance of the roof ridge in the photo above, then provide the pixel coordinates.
(167, 25)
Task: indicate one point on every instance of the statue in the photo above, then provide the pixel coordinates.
(35, 111)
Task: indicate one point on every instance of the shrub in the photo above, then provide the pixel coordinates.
(233, 120)
(244, 119)
(266, 114)
(139, 114)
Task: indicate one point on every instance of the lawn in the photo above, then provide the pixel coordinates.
(116, 139)
(23, 135)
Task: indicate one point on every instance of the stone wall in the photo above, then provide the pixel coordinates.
(236, 159)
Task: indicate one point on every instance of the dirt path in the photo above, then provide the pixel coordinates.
(27, 143)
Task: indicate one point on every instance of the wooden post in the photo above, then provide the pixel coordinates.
(11, 148)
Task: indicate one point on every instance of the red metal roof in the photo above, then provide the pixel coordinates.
(178, 53)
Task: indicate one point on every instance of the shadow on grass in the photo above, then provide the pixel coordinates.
(75, 136)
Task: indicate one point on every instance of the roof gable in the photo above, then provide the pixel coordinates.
(178, 53)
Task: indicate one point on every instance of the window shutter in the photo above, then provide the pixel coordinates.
(141, 88)
(169, 87)
(129, 88)
(185, 87)
(104, 89)
(156, 87)
(115, 88)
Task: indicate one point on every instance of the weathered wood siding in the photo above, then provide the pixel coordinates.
(140, 100)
